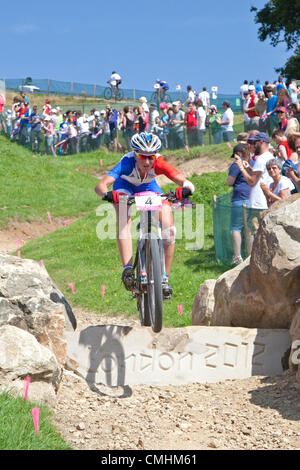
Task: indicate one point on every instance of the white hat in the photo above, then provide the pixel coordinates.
(47, 118)
(143, 99)
(96, 113)
(53, 110)
(251, 87)
(102, 111)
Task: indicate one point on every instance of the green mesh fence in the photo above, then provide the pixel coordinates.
(222, 229)
(98, 91)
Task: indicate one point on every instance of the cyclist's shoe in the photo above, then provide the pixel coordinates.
(167, 290)
(128, 277)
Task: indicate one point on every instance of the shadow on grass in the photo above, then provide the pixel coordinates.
(205, 260)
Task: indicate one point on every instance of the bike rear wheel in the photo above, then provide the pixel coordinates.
(107, 93)
(119, 94)
(154, 284)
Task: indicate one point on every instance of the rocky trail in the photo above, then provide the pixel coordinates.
(255, 413)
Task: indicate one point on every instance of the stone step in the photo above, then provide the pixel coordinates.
(121, 355)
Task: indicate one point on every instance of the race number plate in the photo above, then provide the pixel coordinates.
(148, 202)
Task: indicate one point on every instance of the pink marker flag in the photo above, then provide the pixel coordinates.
(101, 162)
(42, 262)
(229, 145)
(71, 285)
(35, 416)
(49, 217)
(77, 169)
(65, 223)
(27, 382)
(103, 291)
(180, 309)
(187, 149)
(34, 156)
(19, 253)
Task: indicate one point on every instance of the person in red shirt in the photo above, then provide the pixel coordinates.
(284, 151)
(191, 119)
(46, 108)
(252, 114)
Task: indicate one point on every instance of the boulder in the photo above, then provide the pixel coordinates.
(204, 303)
(262, 292)
(30, 300)
(21, 355)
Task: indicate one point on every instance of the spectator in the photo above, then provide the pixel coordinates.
(106, 130)
(245, 105)
(49, 134)
(282, 119)
(157, 128)
(257, 174)
(205, 98)
(294, 111)
(83, 132)
(272, 121)
(191, 96)
(164, 123)
(265, 87)
(293, 123)
(141, 116)
(143, 100)
(240, 196)
(177, 128)
(191, 120)
(280, 85)
(24, 98)
(2, 119)
(261, 110)
(46, 108)
(214, 126)
(283, 99)
(171, 138)
(294, 144)
(243, 90)
(283, 150)
(227, 122)
(128, 126)
(25, 127)
(72, 135)
(59, 120)
(281, 186)
(201, 122)
(258, 87)
(252, 114)
(293, 91)
(153, 114)
(36, 136)
(8, 121)
(14, 111)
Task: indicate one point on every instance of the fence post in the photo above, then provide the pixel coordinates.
(95, 91)
(48, 86)
(134, 94)
(72, 88)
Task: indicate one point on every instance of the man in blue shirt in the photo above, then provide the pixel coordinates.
(25, 126)
(272, 122)
(36, 135)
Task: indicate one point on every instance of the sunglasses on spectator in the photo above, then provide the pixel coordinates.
(144, 157)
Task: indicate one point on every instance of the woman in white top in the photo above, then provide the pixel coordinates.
(281, 187)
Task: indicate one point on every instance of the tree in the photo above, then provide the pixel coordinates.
(280, 22)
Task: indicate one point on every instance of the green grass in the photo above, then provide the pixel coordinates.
(75, 254)
(17, 429)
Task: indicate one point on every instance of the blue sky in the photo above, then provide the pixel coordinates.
(202, 43)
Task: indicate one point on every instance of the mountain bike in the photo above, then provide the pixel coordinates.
(113, 92)
(159, 96)
(149, 263)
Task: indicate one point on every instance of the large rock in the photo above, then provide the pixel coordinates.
(31, 301)
(203, 306)
(262, 292)
(294, 359)
(20, 356)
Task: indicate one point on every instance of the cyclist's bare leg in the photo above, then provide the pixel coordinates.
(124, 235)
(167, 222)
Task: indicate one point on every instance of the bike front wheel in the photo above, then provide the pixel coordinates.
(154, 284)
(142, 299)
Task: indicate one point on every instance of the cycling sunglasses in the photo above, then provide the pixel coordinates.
(143, 157)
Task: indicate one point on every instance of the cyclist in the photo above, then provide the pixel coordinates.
(136, 172)
(115, 80)
(163, 87)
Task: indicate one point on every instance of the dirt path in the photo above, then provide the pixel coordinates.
(255, 413)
